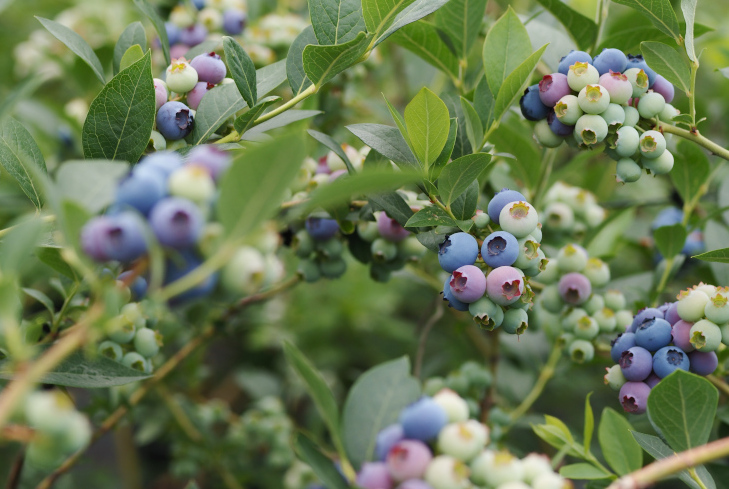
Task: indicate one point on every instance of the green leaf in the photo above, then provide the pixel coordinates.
(670, 239)
(20, 91)
(270, 77)
(330, 143)
(51, 256)
(428, 123)
(241, 69)
(589, 425)
(688, 7)
(506, 47)
(295, 61)
(158, 24)
(386, 140)
(255, 184)
(322, 466)
(668, 62)
(461, 20)
(716, 236)
(281, 120)
(659, 450)
(336, 21)
(215, 108)
(445, 155)
(681, 408)
(18, 244)
(83, 372)
(716, 256)
(513, 138)
(75, 43)
(245, 121)
(464, 207)
(394, 205)
(512, 87)
(583, 471)
(483, 102)
(558, 435)
(582, 29)
(121, 117)
(462, 146)
(431, 240)
(380, 14)
(90, 183)
(42, 298)
(622, 452)
(322, 63)
(373, 403)
(133, 34)
(474, 128)
(629, 39)
(659, 12)
(132, 55)
(458, 175)
(412, 13)
(430, 216)
(690, 170)
(401, 126)
(20, 156)
(424, 40)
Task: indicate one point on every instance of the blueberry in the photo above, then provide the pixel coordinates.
(499, 249)
(137, 286)
(111, 349)
(192, 182)
(164, 162)
(664, 87)
(174, 120)
(180, 76)
(652, 380)
(610, 59)
(531, 104)
(390, 229)
(581, 351)
(705, 335)
(614, 115)
(486, 313)
(637, 61)
(468, 283)
(446, 472)
(141, 190)
(386, 439)
(632, 116)
(500, 200)
(208, 156)
(636, 363)
(160, 92)
(590, 129)
(574, 288)
(582, 74)
(463, 440)
(199, 4)
(552, 88)
(643, 315)
(180, 265)
(119, 237)
(651, 104)
(634, 397)
(408, 459)
(234, 21)
(558, 127)
(653, 334)
(176, 222)
(518, 218)
(193, 35)
(628, 141)
(414, 484)
(504, 285)
(452, 301)
(692, 304)
(195, 96)
(374, 475)
(671, 313)
(627, 171)
(173, 33)
(572, 58)
(457, 250)
(703, 363)
(516, 321)
(545, 136)
(567, 109)
(210, 68)
(638, 80)
(455, 406)
(593, 99)
(669, 359)
(147, 342)
(681, 334)
(135, 361)
(614, 377)
(423, 419)
(321, 229)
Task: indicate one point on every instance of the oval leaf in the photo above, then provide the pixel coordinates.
(241, 68)
(461, 20)
(428, 123)
(620, 450)
(158, 24)
(507, 46)
(670, 239)
(75, 43)
(660, 13)
(215, 108)
(20, 156)
(336, 21)
(458, 175)
(322, 63)
(668, 62)
(133, 34)
(582, 29)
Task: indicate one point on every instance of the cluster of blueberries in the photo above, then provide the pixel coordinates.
(130, 341)
(571, 280)
(187, 28)
(435, 445)
(496, 293)
(570, 211)
(681, 335)
(598, 103)
(320, 248)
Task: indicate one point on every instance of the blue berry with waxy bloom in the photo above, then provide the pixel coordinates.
(180, 264)
(636, 363)
(531, 104)
(552, 88)
(457, 250)
(208, 156)
(210, 68)
(643, 315)
(703, 362)
(574, 288)
(653, 334)
(669, 359)
(652, 380)
(451, 299)
(321, 229)
(558, 127)
(234, 21)
(610, 59)
(176, 222)
(468, 283)
(374, 475)
(386, 439)
(137, 285)
(193, 35)
(500, 200)
(634, 397)
(141, 190)
(174, 120)
(499, 249)
(571, 58)
(665, 88)
(119, 237)
(173, 33)
(163, 162)
(423, 419)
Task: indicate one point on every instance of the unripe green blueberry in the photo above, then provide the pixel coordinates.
(486, 313)
(516, 321)
(550, 480)
(624, 318)
(445, 472)
(244, 272)
(411, 249)
(551, 272)
(705, 335)
(535, 464)
(545, 136)
(572, 258)
(383, 250)
(652, 144)
(42, 453)
(463, 440)
(537, 233)
(597, 272)
(614, 377)
(614, 299)
(593, 99)
(632, 116)
(628, 141)
(331, 248)
(627, 171)
(586, 328)
(181, 77)
(551, 300)
(661, 165)
(691, 305)
(651, 104)
(707, 289)
(717, 309)
(302, 244)
(571, 317)
(594, 215)
(565, 339)
(638, 79)
(725, 334)
(515, 485)
(606, 320)
(77, 432)
(528, 253)
(567, 109)
(368, 230)
(157, 141)
(582, 74)
(120, 330)
(590, 129)
(479, 377)
(537, 268)
(47, 411)
(518, 218)
(581, 351)
(309, 271)
(333, 267)
(111, 350)
(492, 468)
(147, 342)
(136, 361)
(613, 115)
(668, 113)
(434, 385)
(559, 216)
(594, 304)
(455, 407)
(192, 182)
(481, 219)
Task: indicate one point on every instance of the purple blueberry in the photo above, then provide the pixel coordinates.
(703, 362)
(636, 363)
(500, 200)
(637, 61)
(671, 313)
(137, 286)
(531, 104)
(634, 397)
(669, 359)
(195, 96)
(500, 249)
(653, 334)
(451, 299)
(179, 265)
(504, 285)
(213, 159)
(643, 314)
(210, 68)
(414, 484)
(572, 58)
(321, 229)
(160, 93)
(374, 475)
(176, 222)
(622, 343)
(468, 283)
(423, 420)
(174, 120)
(193, 35)
(652, 380)
(386, 439)
(234, 21)
(664, 87)
(119, 237)
(681, 333)
(141, 190)
(408, 460)
(552, 88)
(610, 59)
(390, 229)
(558, 127)
(574, 288)
(457, 250)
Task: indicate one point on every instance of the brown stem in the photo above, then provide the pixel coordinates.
(16, 432)
(16, 470)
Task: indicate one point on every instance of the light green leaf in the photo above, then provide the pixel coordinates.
(668, 62)
(322, 466)
(583, 471)
(393, 204)
(483, 102)
(91, 183)
(512, 87)
(133, 34)
(582, 29)
(430, 216)
(428, 123)
(254, 185)
(474, 129)
(51, 256)
(281, 120)
(690, 170)
(412, 13)
(681, 408)
(241, 68)
(121, 117)
(688, 7)
(18, 244)
(461, 20)
(659, 12)
(380, 14)
(424, 40)
(512, 138)
(295, 61)
(20, 156)
(506, 47)
(330, 143)
(245, 121)
(270, 77)
(670, 239)
(458, 175)
(158, 24)
(75, 43)
(589, 424)
(336, 21)
(322, 63)
(131, 56)
(42, 298)
(605, 241)
(401, 126)
(659, 450)
(716, 256)
(628, 39)
(215, 108)
(386, 140)
(557, 435)
(622, 453)
(445, 155)
(374, 402)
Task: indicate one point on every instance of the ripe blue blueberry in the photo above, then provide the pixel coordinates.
(176, 222)
(138, 285)
(669, 359)
(174, 120)
(164, 162)
(653, 334)
(423, 419)
(468, 283)
(558, 127)
(210, 68)
(452, 301)
(457, 250)
(500, 200)
(179, 265)
(234, 21)
(552, 88)
(119, 237)
(531, 104)
(386, 439)
(610, 59)
(141, 190)
(636, 363)
(321, 229)
(703, 362)
(173, 33)
(665, 88)
(634, 397)
(572, 58)
(643, 315)
(499, 249)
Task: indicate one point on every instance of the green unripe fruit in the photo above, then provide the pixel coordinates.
(705, 335)
(632, 116)
(594, 304)
(516, 321)
(638, 79)
(668, 113)
(309, 271)
(661, 165)
(586, 328)
(593, 99)
(559, 216)
(333, 267)
(614, 377)
(652, 144)
(411, 249)
(613, 115)
(572, 258)
(136, 361)
(567, 109)
(445, 472)
(192, 182)
(628, 141)
(302, 244)
(481, 220)
(492, 469)
(455, 407)
(463, 440)
(582, 74)
(624, 318)
(368, 230)
(725, 334)
(627, 171)
(486, 313)
(581, 351)
(433, 385)
(651, 104)
(570, 320)
(528, 253)
(518, 218)
(597, 272)
(590, 129)
(111, 350)
(181, 77)
(383, 250)
(147, 342)
(691, 305)
(551, 273)
(330, 249)
(614, 299)
(550, 298)
(717, 309)
(545, 136)
(606, 320)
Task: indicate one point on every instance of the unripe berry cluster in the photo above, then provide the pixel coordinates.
(320, 248)
(130, 341)
(602, 102)
(496, 292)
(570, 211)
(584, 314)
(681, 335)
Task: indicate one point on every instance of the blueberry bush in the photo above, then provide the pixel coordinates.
(341, 244)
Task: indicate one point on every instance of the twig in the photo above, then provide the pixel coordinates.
(16, 471)
(697, 138)
(720, 384)
(547, 372)
(437, 314)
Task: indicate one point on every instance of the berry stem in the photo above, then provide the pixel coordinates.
(546, 373)
(668, 466)
(697, 138)
(664, 279)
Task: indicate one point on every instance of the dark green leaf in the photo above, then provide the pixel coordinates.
(42, 298)
(121, 117)
(90, 183)
(431, 240)
(295, 61)
(660, 13)
(423, 39)
(464, 207)
(506, 47)
(330, 143)
(400, 123)
(133, 34)
(51, 256)
(622, 452)
(336, 21)
(670, 239)
(717, 256)
(133, 54)
(75, 43)
(270, 77)
(430, 216)
(380, 14)
(322, 466)
(483, 102)
(374, 402)
(589, 424)
(659, 450)
(458, 175)
(215, 108)
(241, 69)
(245, 121)
(582, 29)
(688, 7)
(412, 13)
(461, 20)
(394, 205)
(629, 39)
(386, 140)
(690, 170)
(512, 138)
(681, 408)
(583, 471)
(428, 123)
(281, 120)
(474, 128)
(158, 24)
(445, 155)
(20, 156)
(512, 86)
(322, 63)
(668, 62)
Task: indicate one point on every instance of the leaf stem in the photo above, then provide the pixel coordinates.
(664, 279)
(692, 94)
(230, 138)
(303, 95)
(494, 126)
(547, 372)
(551, 156)
(697, 138)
